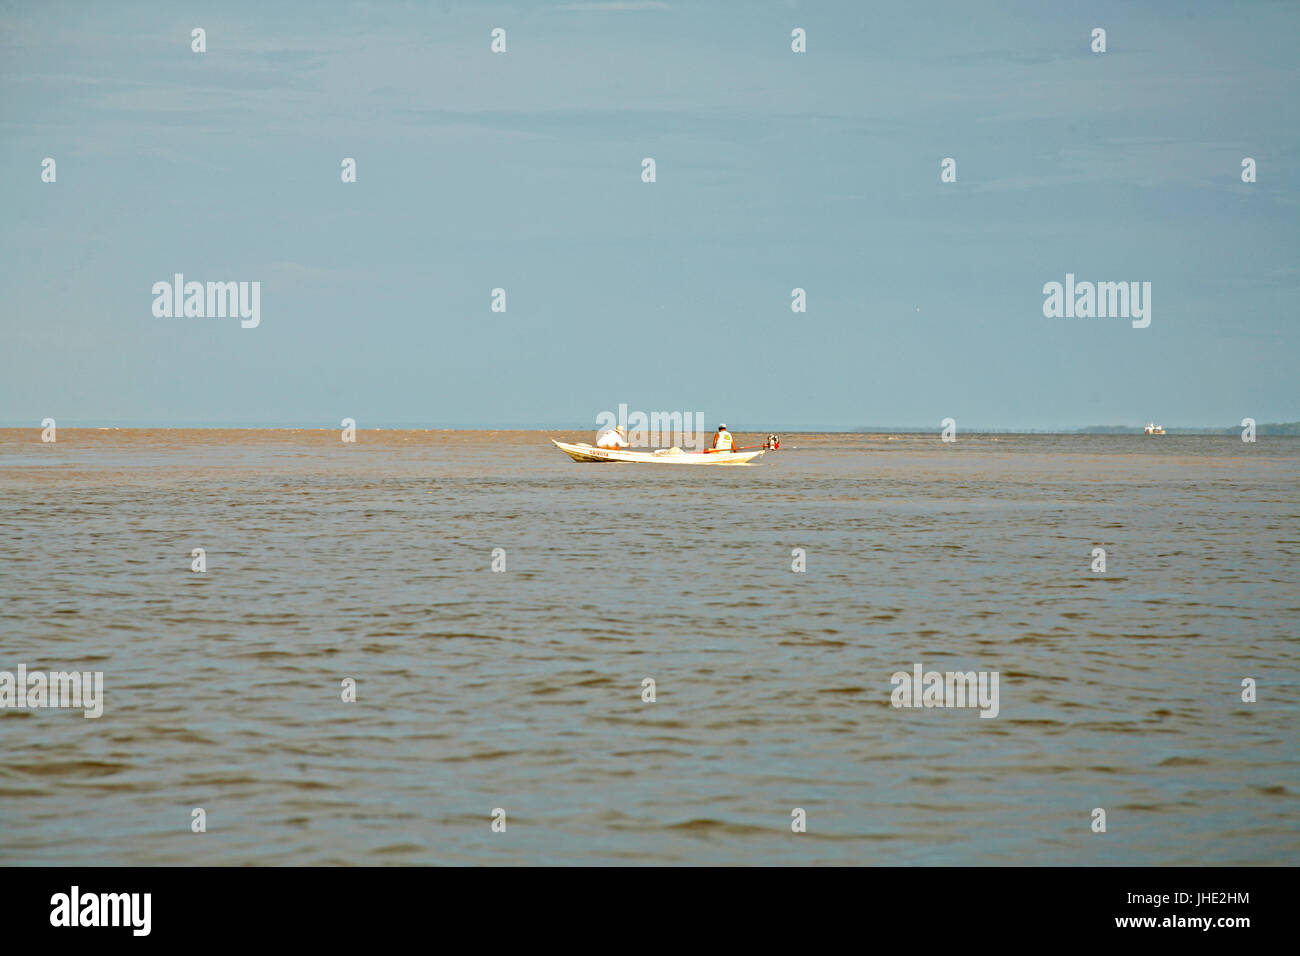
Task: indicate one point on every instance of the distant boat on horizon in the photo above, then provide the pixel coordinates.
(1152, 429)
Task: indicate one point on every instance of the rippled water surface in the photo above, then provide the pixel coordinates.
(522, 690)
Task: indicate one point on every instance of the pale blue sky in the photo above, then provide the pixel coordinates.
(775, 170)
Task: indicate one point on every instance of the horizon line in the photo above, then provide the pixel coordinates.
(533, 426)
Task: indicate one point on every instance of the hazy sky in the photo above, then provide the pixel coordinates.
(775, 170)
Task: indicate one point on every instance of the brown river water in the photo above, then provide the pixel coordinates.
(522, 689)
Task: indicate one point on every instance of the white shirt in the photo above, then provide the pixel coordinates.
(723, 442)
(610, 437)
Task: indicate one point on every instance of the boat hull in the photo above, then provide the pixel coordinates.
(589, 453)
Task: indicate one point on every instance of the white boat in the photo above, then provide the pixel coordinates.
(663, 456)
(1153, 430)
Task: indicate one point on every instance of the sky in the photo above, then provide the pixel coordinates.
(775, 170)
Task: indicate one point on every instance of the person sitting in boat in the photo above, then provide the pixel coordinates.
(612, 438)
(722, 441)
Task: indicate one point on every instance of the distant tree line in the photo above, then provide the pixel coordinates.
(1275, 428)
